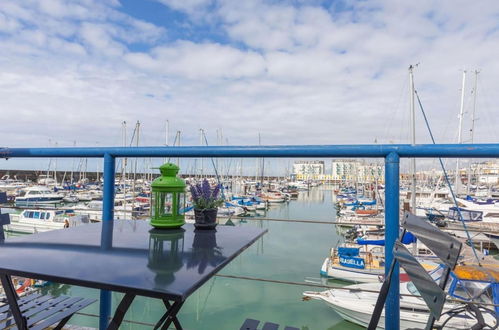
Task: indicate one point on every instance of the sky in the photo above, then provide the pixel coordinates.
(295, 72)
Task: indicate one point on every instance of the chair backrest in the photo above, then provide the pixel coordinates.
(4, 217)
(445, 247)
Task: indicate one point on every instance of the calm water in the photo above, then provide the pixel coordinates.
(289, 252)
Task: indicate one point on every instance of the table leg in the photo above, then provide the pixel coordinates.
(170, 315)
(63, 322)
(11, 294)
(121, 311)
(174, 318)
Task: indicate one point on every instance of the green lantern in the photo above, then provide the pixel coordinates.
(168, 198)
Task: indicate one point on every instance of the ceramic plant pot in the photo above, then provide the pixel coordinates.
(205, 218)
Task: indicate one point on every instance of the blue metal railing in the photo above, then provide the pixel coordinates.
(391, 154)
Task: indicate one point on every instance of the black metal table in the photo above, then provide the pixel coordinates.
(129, 257)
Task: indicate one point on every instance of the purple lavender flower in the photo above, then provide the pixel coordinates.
(215, 192)
(204, 197)
(194, 193)
(206, 190)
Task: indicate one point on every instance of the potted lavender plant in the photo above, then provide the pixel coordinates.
(206, 201)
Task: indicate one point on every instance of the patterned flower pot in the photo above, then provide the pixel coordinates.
(205, 219)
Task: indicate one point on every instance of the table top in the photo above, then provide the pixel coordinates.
(127, 256)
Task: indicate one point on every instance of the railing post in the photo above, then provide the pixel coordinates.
(108, 198)
(392, 212)
(107, 216)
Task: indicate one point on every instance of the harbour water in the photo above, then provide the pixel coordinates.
(290, 251)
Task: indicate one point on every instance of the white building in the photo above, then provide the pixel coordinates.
(344, 169)
(356, 171)
(308, 169)
(368, 173)
(484, 173)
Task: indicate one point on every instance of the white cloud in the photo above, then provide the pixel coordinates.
(296, 73)
(192, 7)
(8, 24)
(189, 60)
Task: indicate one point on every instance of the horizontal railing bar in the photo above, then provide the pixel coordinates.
(471, 230)
(281, 220)
(288, 151)
(124, 320)
(337, 287)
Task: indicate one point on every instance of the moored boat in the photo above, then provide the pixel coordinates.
(356, 303)
(37, 195)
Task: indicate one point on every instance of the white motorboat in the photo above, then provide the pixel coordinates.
(356, 305)
(10, 185)
(37, 195)
(70, 198)
(41, 220)
(122, 210)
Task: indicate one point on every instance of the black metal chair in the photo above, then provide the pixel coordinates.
(33, 311)
(445, 247)
(251, 324)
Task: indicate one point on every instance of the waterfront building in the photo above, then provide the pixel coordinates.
(309, 170)
(485, 172)
(344, 169)
(368, 173)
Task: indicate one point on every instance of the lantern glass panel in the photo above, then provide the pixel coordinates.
(181, 204)
(166, 207)
(153, 205)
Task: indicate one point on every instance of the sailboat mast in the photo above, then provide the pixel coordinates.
(472, 129)
(262, 160)
(167, 133)
(124, 169)
(137, 135)
(459, 133)
(201, 142)
(55, 168)
(178, 144)
(413, 138)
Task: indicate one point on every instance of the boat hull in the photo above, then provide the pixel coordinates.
(37, 201)
(350, 274)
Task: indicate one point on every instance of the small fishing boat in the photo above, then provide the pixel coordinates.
(351, 264)
(274, 197)
(366, 213)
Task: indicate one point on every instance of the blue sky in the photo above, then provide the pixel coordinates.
(297, 72)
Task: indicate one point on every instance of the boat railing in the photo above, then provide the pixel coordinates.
(390, 153)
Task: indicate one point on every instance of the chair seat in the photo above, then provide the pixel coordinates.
(250, 324)
(43, 311)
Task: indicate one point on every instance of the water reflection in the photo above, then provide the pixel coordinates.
(55, 289)
(204, 250)
(106, 239)
(166, 248)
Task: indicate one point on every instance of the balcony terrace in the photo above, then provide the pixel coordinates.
(247, 271)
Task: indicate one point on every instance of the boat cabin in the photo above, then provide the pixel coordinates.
(49, 215)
